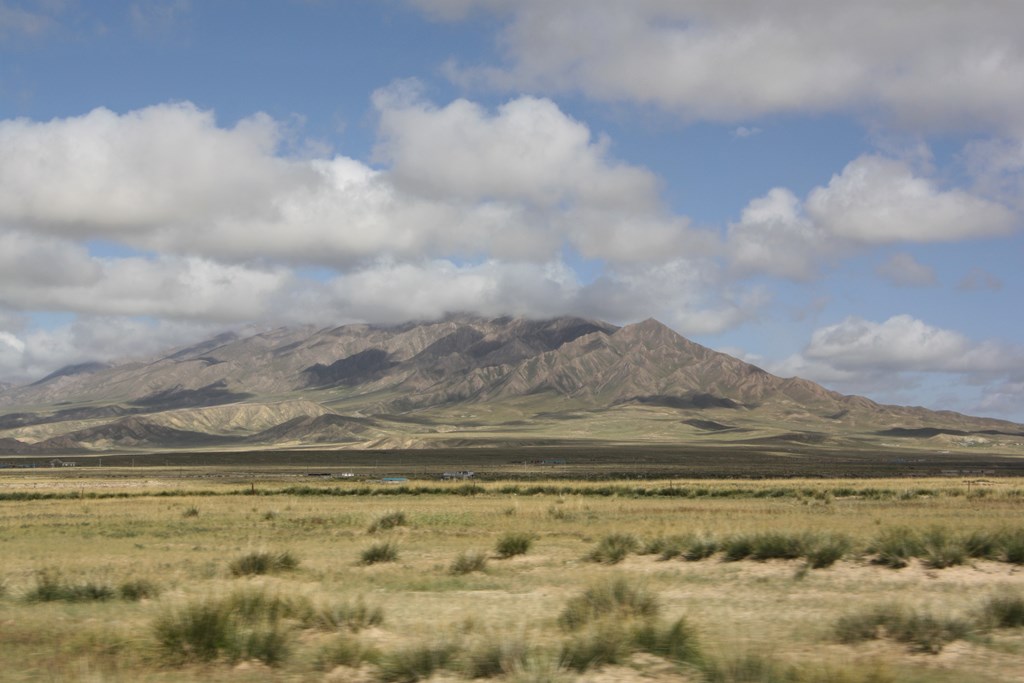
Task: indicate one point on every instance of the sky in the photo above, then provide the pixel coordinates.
(827, 189)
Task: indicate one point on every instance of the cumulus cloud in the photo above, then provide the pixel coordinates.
(903, 270)
(904, 343)
(874, 201)
(959, 65)
(527, 150)
(880, 201)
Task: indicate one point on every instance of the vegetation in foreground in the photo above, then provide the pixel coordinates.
(737, 587)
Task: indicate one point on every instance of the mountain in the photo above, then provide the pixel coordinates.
(460, 380)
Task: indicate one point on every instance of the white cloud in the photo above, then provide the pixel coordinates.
(874, 201)
(902, 270)
(528, 150)
(978, 279)
(960, 65)
(904, 343)
(880, 201)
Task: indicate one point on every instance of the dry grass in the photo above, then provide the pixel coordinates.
(753, 619)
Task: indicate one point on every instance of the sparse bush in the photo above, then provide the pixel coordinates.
(826, 550)
(941, 550)
(415, 663)
(389, 520)
(345, 650)
(263, 563)
(606, 642)
(922, 632)
(1013, 546)
(1003, 611)
(982, 545)
(138, 589)
(191, 511)
(700, 549)
(51, 586)
(737, 548)
(354, 616)
(379, 552)
(613, 548)
(513, 544)
(613, 598)
(776, 545)
(491, 656)
(210, 629)
(467, 563)
(676, 642)
(894, 547)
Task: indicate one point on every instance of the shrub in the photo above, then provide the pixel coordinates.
(607, 642)
(777, 545)
(488, 657)
(467, 563)
(613, 598)
(613, 548)
(1003, 611)
(344, 650)
(191, 511)
(894, 547)
(211, 629)
(51, 586)
(827, 550)
(389, 520)
(138, 589)
(700, 549)
(940, 550)
(353, 616)
(263, 563)
(737, 548)
(513, 544)
(415, 663)
(676, 642)
(1013, 546)
(923, 632)
(981, 545)
(379, 552)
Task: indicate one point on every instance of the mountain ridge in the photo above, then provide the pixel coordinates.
(420, 382)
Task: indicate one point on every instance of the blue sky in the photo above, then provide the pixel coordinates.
(827, 190)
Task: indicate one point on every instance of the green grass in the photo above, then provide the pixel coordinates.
(613, 548)
(379, 552)
(512, 544)
(261, 562)
(387, 521)
(922, 631)
(617, 598)
(467, 563)
(51, 586)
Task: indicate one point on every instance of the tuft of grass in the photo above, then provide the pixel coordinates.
(700, 549)
(941, 550)
(467, 563)
(256, 563)
(389, 520)
(512, 544)
(138, 589)
(538, 668)
(415, 663)
(51, 586)
(1003, 611)
(825, 551)
(491, 656)
(379, 552)
(617, 598)
(982, 545)
(737, 548)
(345, 650)
(606, 642)
(895, 546)
(240, 627)
(613, 548)
(1013, 546)
(777, 545)
(355, 616)
(921, 631)
(191, 511)
(676, 642)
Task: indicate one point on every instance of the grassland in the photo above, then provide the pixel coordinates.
(183, 574)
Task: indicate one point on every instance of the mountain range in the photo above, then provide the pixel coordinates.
(458, 381)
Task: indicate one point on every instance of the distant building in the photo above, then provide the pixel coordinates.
(57, 462)
(461, 474)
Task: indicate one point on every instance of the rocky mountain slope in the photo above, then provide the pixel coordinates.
(458, 380)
